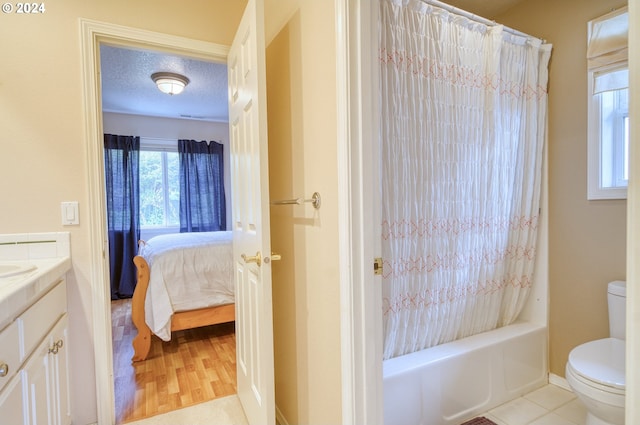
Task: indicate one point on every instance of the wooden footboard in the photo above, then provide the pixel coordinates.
(142, 341)
(179, 321)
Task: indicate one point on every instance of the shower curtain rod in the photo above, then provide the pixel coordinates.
(476, 18)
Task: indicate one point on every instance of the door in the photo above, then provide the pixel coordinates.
(250, 212)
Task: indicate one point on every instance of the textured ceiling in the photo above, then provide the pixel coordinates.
(127, 86)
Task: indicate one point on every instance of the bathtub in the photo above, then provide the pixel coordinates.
(453, 382)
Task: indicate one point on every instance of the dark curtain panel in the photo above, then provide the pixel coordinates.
(202, 200)
(121, 162)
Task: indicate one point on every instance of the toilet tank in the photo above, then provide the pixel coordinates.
(617, 300)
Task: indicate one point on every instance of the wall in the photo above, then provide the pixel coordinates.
(301, 87)
(173, 129)
(586, 238)
(44, 159)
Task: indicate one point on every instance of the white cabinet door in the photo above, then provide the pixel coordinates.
(60, 372)
(36, 380)
(45, 380)
(11, 409)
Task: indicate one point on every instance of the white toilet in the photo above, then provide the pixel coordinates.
(595, 370)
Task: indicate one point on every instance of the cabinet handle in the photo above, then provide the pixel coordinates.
(4, 370)
(56, 346)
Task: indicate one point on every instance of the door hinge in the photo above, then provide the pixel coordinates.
(377, 266)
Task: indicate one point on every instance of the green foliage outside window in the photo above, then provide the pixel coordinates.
(159, 189)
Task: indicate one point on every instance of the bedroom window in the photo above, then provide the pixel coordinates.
(608, 106)
(159, 184)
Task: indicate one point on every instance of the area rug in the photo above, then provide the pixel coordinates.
(480, 421)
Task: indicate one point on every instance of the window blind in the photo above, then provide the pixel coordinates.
(608, 39)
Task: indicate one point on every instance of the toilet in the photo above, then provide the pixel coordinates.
(595, 370)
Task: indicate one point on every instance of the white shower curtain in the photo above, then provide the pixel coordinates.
(463, 121)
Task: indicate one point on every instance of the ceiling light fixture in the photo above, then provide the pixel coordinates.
(170, 83)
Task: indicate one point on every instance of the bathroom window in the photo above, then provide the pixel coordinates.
(159, 184)
(608, 107)
(609, 135)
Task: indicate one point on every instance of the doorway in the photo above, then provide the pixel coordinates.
(196, 365)
(94, 35)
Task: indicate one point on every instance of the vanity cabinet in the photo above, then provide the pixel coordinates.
(35, 388)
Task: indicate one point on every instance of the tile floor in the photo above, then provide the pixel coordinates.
(549, 405)
(221, 411)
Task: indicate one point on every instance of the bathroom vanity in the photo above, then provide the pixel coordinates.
(34, 367)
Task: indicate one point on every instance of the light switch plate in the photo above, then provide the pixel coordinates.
(69, 211)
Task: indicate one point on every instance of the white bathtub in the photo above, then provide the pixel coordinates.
(450, 383)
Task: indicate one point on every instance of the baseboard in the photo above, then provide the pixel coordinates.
(559, 381)
(280, 419)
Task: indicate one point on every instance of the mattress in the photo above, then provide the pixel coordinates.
(188, 271)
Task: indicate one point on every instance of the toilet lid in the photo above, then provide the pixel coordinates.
(600, 361)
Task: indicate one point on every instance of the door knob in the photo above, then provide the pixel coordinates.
(253, 259)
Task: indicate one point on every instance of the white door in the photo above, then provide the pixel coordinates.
(250, 212)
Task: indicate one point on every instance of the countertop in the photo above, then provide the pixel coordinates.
(19, 292)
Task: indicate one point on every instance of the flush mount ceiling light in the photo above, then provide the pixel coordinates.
(170, 83)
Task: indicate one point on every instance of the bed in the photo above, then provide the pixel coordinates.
(185, 281)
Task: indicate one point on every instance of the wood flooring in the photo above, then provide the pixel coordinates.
(197, 365)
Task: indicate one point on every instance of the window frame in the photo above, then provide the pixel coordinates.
(595, 154)
(164, 146)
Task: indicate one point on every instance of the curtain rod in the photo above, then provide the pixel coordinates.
(158, 139)
(176, 140)
(476, 18)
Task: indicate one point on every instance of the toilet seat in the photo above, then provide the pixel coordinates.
(600, 364)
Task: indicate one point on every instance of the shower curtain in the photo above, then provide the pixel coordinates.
(463, 121)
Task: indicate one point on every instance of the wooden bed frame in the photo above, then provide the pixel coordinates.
(179, 321)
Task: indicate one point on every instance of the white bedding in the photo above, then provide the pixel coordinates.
(188, 271)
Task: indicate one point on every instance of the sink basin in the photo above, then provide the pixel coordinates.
(8, 270)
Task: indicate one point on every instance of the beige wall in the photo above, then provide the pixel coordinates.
(43, 158)
(301, 87)
(586, 238)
